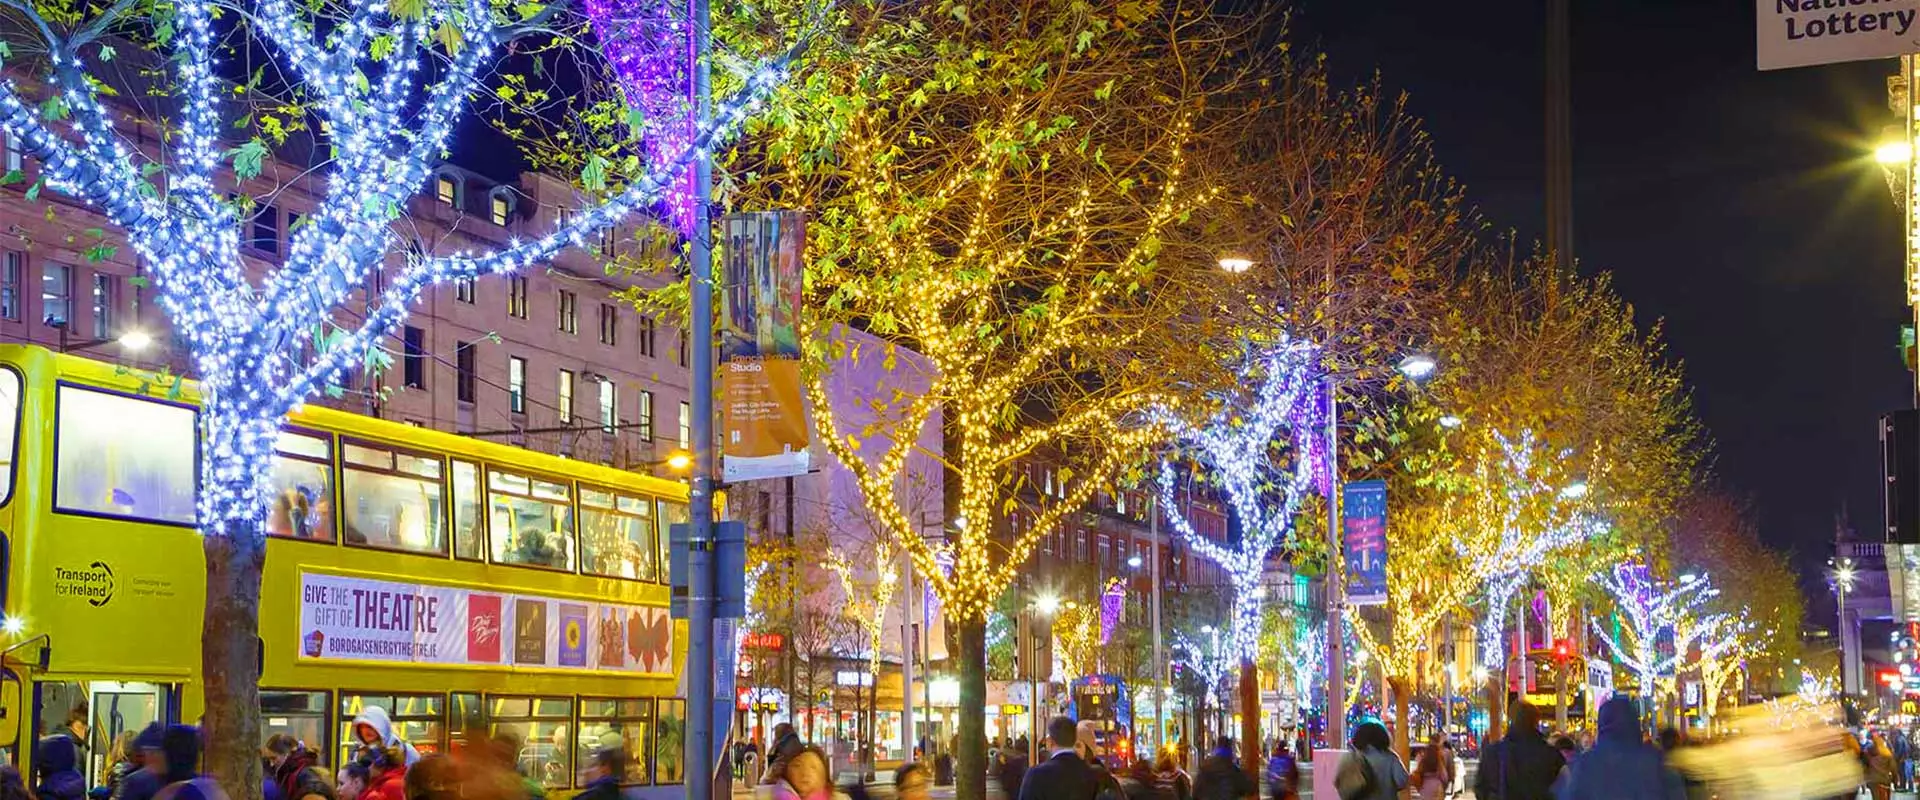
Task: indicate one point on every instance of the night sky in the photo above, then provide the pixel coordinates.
(1741, 207)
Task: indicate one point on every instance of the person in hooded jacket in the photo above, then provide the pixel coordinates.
(181, 746)
(1521, 766)
(1620, 765)
(373, 729)
(56, 769)
(1220, 777)
(145, 782)
(786, 745)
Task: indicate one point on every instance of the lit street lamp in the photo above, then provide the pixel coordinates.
(1418, 366)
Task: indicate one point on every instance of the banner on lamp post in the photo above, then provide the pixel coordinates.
(763, 419)
(1363, 538)
(1800, 33)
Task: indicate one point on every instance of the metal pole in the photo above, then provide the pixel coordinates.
(1446, 675)
(700, 578)
(1336, 658)
(1159, 657)
(1033, 694)
(906, 660)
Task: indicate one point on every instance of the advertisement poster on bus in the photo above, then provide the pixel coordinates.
(1363, 534)
(763, 420)
(359, 619)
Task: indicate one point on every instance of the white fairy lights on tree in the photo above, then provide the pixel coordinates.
(1237, 443)
(1651, 610)
(388, 84)
(1538, 517)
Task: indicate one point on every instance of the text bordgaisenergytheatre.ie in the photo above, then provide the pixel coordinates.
(1822, 18)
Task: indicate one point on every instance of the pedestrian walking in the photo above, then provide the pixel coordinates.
(1521, 766)
(291, 765)
(386, 775)
(1220, 776)
(602, 775)
(12, 785)
(1064, 775)
(1433, 772)
(1171, 778)
(1370, 771)
(353, 779)
(373, 730)
(1283, 774)
(913, 781)
(804, 777)
(1141, 783)
(786, 745)
(1620, 766)
(1879, 767)
(56, 769)
(145, 782)
(181, 746)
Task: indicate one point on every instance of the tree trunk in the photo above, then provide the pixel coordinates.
(1496, 709)
(970, 752)
(238, 447)
(230, 660)
(1402, 688)
(1250, 759)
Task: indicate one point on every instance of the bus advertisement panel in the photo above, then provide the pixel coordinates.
(362, 619)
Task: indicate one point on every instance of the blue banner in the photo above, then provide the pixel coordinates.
(1363, 536)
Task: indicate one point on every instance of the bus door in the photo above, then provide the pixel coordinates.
(96, 714)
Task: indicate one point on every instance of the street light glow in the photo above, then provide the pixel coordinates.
(136, 340)
(679, 461)
(1235, 263)
(1895, 152)
(1133, 561)
(1418, 366)
(12, 624)
(1575, 491)
(1451, 421)
(1048, 604)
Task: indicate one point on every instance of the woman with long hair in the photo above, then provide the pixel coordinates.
(1433, 772)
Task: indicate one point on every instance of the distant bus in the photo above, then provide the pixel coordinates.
(1104, 701)
(465, 587)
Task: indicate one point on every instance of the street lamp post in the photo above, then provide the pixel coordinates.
(1844, 576)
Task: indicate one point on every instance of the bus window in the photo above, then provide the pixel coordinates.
(9, 429)
(301, 506)
(303, 715)
(417, 719)
(666, 742)
(542, 726)
(616, 535)
(532, 521)
(617, 723)
(394, 499)
(469, 540)
(669, 515)
(125, 457)
(466, 721)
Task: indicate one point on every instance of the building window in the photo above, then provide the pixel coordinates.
(516, 384)
(683, 347)
(398, 503)
(15, 161)
(533, 520)
(446, 189)
(266, 230)
(569, 312)
(566, 397)
(609, 324)
(463, 290)
(609, 241)
(646, 415)
(301, 504)
(463, 371)
(413, 354)
(686, 425)
(499, 209)
(609, 405)
(648, 336)
(106, 289)
(517, 297)
(56, 294)
(10, 272)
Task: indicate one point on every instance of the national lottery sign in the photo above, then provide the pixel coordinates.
(1799, 33)
(358, 619)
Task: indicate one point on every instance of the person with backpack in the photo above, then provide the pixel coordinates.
(1370, 771)
(1220, 777)
(1522, 766)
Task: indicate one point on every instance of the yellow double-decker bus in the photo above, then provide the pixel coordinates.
(461, 586)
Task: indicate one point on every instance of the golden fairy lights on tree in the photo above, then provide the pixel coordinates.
(869, 587)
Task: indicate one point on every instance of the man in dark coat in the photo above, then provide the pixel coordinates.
(786, 745)
(1522, 766)
(1064, 776)
(1220, 778)
(1621, 766)
(603, 775)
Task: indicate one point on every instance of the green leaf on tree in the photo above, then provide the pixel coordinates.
(149, 169)
(54, 109)
(99, 253)
(248, 157)
(33, 192)
(12, 177)
(106, 52)
(594, 176)
(138, 281)
(406, 9)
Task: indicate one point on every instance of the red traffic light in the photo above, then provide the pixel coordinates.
(1562, 649)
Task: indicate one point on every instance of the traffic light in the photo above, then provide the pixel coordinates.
(1562, 650)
